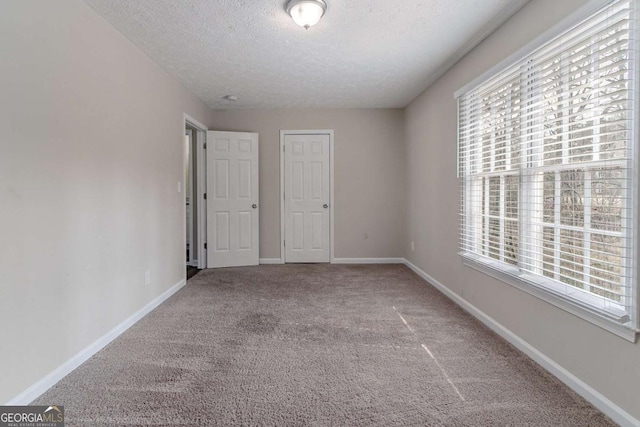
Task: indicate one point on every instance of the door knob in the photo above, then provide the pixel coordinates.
(254, 206)
(325, 206)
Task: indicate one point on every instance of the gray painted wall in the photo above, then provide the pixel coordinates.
(90, 155)
(604, 361)
(369, 176)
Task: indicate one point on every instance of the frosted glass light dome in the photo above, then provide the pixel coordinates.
(306, 13)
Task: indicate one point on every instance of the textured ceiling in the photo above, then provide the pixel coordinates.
(363, 53)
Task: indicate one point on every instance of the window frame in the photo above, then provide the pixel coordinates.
(624, 323)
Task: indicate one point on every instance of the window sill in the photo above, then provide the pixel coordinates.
(584, 306)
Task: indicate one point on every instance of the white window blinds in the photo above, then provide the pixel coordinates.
(546, 158)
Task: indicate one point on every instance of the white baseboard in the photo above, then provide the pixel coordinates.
(271, 261)
(368, 261)
(344, 261)
(44, 384)
(605, 405)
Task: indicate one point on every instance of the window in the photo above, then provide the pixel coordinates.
(546, 162)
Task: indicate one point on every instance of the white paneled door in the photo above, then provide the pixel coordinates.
(232, 199)
(307, 198)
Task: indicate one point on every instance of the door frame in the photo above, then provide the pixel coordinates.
(201, 178)
(283, 133)
(188, 193)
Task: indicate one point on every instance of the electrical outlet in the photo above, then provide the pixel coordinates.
(147, 277)
(413, 247)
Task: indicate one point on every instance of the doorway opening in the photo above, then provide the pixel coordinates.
(194, 189)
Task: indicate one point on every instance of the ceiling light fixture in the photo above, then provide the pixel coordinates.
(230, 98)
(306, 13)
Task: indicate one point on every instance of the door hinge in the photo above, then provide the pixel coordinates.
(205, 146)
(205, 246)
(205, 196)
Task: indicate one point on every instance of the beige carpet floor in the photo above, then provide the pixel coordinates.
(314, 345)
